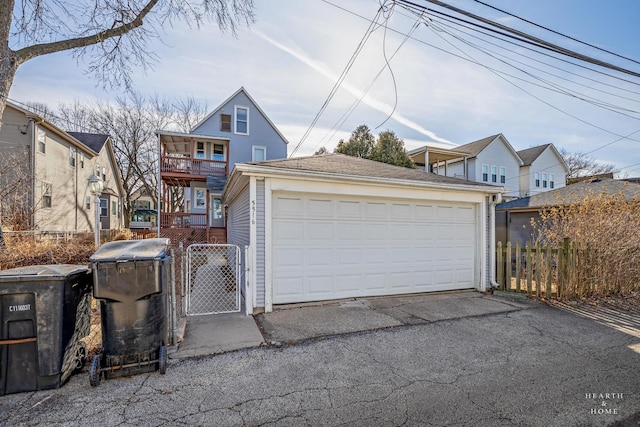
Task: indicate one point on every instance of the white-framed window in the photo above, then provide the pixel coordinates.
(114, 208)
(104, 207)
(225, 122)
(242, 120)
(258, 153)
(494, 173)
(81, 160)
(104, 173)
(88, 202)
(200, 198)
(199, 150)
(98, 170)
(551, 181)
(42, 141)
(47, 190)
(536, 178)
(503, 174)
(544, 180)
(218, 152)
(485, 173)
(72, 157)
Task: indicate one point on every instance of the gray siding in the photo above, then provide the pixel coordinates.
(261, 133)
(238, 225)
(260, 245)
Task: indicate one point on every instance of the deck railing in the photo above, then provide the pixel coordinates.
(182, 220)
(193, 166)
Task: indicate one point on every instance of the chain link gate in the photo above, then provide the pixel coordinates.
(213, 279)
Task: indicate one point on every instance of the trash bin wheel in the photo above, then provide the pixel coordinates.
(94, 371)
(162, 359)
(81, 356)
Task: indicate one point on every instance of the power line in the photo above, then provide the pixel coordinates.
(558, 33)
(338, 82)
(524, 36)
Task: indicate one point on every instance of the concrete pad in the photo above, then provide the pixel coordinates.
(218, 333)
(301, 323)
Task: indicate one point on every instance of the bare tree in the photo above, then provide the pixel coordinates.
(580, 165)
(110, 36)
(131, 122)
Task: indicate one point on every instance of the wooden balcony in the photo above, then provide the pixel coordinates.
(183, 220)
(185, 166)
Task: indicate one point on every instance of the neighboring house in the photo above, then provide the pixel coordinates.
(144, 210)
(513, 218)
(543, 169)
(58, 165)
(194, 166)
(493, 160)
(333, 226)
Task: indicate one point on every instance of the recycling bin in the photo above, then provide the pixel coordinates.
(45, 312)
(130, 280)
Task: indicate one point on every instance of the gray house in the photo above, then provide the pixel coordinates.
(194, 166)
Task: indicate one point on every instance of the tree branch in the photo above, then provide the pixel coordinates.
(31, 52)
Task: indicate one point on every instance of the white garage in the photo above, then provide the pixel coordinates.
(331, 227)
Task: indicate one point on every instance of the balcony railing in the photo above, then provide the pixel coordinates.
(190, 166)
(182, 220)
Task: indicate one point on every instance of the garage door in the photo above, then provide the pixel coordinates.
(326, 247)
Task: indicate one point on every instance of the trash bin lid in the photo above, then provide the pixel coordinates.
(41, 272)
(131, 250)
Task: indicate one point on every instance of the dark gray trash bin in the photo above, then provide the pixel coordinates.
(130, 279)
(45, 310)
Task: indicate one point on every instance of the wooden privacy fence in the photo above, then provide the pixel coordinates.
(551, 272)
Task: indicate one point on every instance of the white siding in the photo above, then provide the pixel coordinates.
(498, 154)
(260, 245)
(238, 227)
(548, 163)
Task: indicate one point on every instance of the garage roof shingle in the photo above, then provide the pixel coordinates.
(340, 164)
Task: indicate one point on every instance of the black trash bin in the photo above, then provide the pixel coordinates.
(45, 311)
(130, 279)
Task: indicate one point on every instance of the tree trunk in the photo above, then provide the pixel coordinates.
(8, 68)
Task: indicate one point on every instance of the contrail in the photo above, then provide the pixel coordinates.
(368, 100)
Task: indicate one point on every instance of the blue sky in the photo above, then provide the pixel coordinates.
(291, 57)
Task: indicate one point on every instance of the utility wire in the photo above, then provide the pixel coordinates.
(338, 82)
(523, 35)
(556, 32)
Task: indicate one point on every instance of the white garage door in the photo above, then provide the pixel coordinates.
(329, 248)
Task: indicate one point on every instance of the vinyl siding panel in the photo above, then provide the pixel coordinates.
(260, 245)
(238, 225)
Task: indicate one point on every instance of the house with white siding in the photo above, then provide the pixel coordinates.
(46, 172)
(493, 160)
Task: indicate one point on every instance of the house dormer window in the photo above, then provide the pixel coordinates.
(242, 120)
(225, 122)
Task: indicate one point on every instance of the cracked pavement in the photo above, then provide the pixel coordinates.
(538, 366)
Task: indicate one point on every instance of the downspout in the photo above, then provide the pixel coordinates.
(495, 199)
(159, 196)
(33, 170)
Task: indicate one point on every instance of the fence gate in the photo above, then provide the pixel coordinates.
(213, 279)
